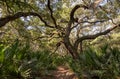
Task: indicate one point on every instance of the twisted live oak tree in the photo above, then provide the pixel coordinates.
(72, 48)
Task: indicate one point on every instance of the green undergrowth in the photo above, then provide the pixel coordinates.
(97, 63)
(19, 61)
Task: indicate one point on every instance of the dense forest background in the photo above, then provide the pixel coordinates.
(37, 36)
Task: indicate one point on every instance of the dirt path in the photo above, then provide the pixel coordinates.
(62, 72)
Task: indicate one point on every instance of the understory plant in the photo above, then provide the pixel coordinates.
(98, 63)
(19, 61)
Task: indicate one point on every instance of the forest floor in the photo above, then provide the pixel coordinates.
(61, 72)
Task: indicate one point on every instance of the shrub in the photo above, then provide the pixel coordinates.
(19, 61)
(101, 63)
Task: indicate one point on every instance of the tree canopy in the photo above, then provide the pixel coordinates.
(62, 22)
(39, 36)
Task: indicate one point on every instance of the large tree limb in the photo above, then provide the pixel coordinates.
(72, 19)
(5, 20)
(51, 13)
(67, 43)
(74, 10)
(94, 36)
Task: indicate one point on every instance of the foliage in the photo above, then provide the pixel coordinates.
(100, 63)
(46, 21)
(43, 26)
(18, 61)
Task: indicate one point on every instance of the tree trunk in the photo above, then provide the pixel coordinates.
(72, 50)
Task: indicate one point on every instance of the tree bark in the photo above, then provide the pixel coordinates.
(72, 50)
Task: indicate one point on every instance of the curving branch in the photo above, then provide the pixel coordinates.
(94, 36)
(51, 13)
(72, 19)
(74, 10)
(5, 20)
